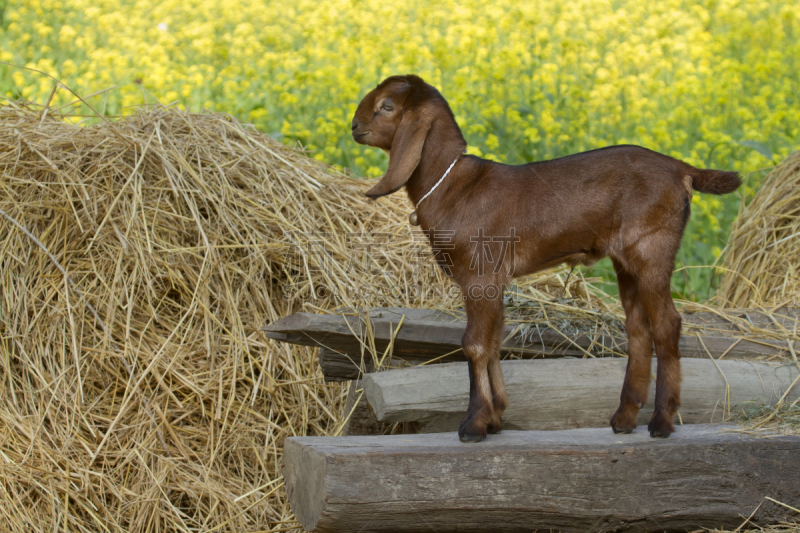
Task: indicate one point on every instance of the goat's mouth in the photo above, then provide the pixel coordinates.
(359, 137)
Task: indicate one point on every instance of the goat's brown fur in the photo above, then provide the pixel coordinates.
(503, 221)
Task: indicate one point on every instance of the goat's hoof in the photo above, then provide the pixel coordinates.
(623, 422)
(660, 426)
(495, 426)
(621, 429)
(469, 438)
(471, 432)
(472, 429)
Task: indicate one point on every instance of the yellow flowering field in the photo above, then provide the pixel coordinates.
(713, 82)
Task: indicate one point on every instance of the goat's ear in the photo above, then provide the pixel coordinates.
(404, 155)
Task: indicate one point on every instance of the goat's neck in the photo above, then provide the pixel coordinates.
(442, 146)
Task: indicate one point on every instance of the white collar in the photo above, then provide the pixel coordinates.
(446, 172)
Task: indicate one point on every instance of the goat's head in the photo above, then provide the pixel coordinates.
(396, 117)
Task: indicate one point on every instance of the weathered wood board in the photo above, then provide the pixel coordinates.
(571, 393)
(361, 419)
(581, 480)
(427, 334)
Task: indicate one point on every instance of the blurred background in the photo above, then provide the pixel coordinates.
(714, 83)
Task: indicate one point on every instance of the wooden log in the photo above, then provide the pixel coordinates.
(428, 334)
(574, 481)
(572, 393)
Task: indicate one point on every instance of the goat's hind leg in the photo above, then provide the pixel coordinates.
(640, 354)
(481, 349)
(666, 329)
(653, 282)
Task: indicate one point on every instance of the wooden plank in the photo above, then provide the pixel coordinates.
(428, 334)
(786, 318)
(573, 481)
(338, 366)
(362, 420)
(571, 393)
(419, 338)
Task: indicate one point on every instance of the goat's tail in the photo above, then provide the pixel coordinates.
(714, 181)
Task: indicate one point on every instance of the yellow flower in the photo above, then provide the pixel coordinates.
(19, 78)
(44, 31)
(66, 34)
(474, 150)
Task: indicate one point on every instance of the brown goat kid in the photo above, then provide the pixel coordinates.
(488, 223)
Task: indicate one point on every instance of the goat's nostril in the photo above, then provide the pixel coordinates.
(353, 126)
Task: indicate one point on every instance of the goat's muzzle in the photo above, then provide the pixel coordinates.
(360, 136)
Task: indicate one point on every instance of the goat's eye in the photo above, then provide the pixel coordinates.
(386, 107)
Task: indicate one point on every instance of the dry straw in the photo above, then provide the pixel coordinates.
(764, 246)
(138, 259)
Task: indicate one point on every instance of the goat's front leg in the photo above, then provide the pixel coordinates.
(488, 396)
(499, 394)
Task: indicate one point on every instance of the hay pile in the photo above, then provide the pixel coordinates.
(760, 263)
(139, 257)
(761, 271)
